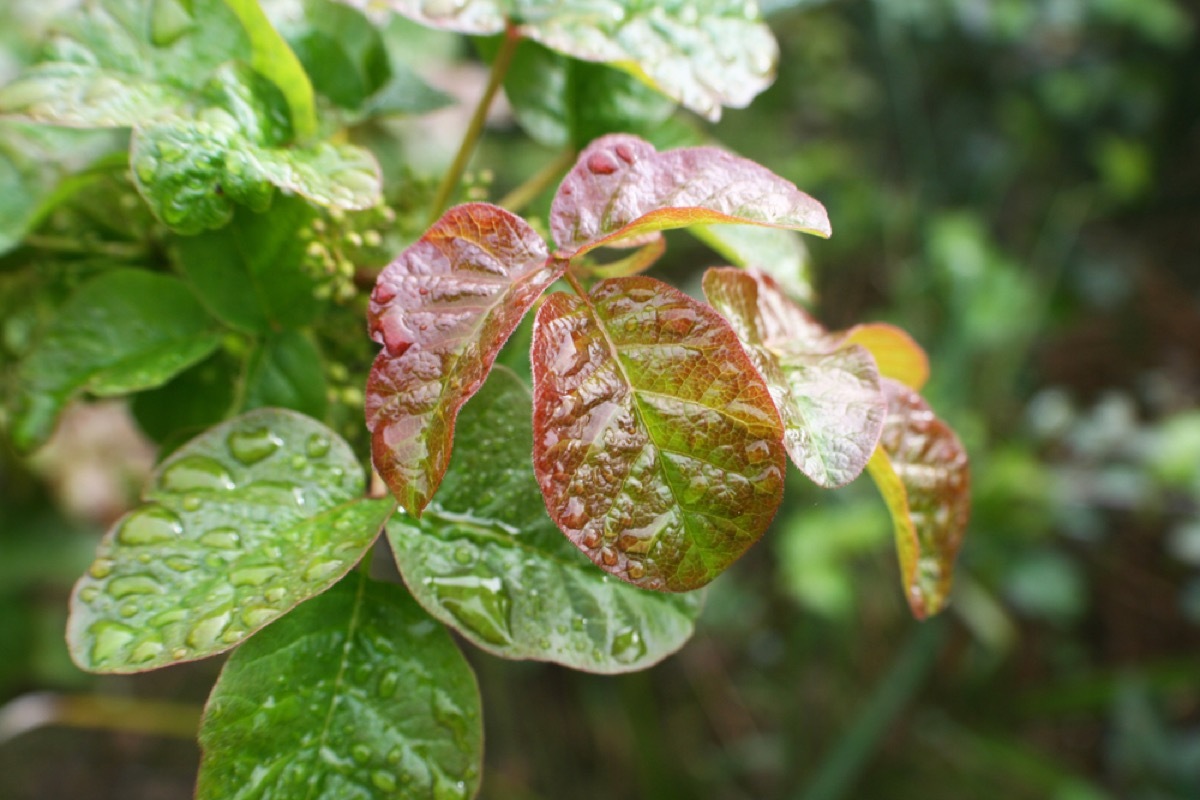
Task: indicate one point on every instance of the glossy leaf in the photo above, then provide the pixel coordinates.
(777, 252)
(703, 53)
(193, 172)
(251, 273)
(485, 558)
(286, 370)
(356, 694)
(921, 470)
(622, 192)
(195, 399)
(442, 310)
(121, 332)
(899, 357)
(657, 446)
(271, 57)
(124, 62)
(236, 528)
(827, 391)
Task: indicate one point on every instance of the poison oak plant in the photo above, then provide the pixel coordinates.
(568, 523)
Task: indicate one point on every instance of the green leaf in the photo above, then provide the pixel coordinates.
(656, 443)
(193, 171)
(622, 192)
(123, 331)
(287, 371)
(123, 62)
(193, 400)
(826, 390)
(485, 559)
(271, 56)
(251, 274)
(560, 100)
(921, 470)
(442, 310)
(236, 528)
(702, 53)
(778, 252)
(356, 694)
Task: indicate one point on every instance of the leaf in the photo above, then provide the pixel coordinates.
(195, 399)
(560, 100)
(704, 54)
(442, 310)
(356, 694)
(778, 252)
(251, 274)
(656, 444)
(827, 391)
(121, 332)
(899, 357)
(123, 62)
(622, 192)
(193, 172)
(485, 559)
(236, 528)
(271, 56)
(287, 371)
(921, 470)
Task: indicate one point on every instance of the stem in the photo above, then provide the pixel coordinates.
(528, 191)
(65, 244)
(841, 767)
(100, 712)
(475, 128)
(575, 284)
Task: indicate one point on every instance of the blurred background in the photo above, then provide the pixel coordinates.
(1015, 182)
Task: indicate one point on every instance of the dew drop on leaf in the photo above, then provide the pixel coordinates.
(321, 570)
(383, 780)
(253, 576)
(628, 646)
(109, 639)
(361, 753)
(195, 473)
(134, 584)
(254, 616)
(252, 446)
(101, 568)
(150, 525)
(207, 631)
(317, 446)
(482, 605)
(388, 684)
(221, 539)
(146, 651)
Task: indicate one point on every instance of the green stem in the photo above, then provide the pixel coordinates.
(66, 244)
(841, 767)
(98, 712)
(528, 191)
(475, 128)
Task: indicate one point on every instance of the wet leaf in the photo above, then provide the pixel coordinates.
(899, 357)
(622, 192)
(704, 54)
(827, 391)
(921, 470)
(778, 252)
(287, 371)
(485, 559)
(356, 694)
(192, 172)
(121, 332)
(657, 446)
(121, 63)
(251, 274)
(442, 310)
(236, 528)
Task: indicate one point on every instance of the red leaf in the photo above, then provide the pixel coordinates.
(656, 444)
(826, 389)
(442, 310)
(622, 192)
(921, 470)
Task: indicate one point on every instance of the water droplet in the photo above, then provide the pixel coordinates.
(196, 473)
(601, 164)
(89, 594)
(696, 489)
(149, 525)
(179, 653)
(464, 554)
(395, 755)
(635, 569)
(253, 576)
(134, 584)
(578, 624)
(221, 539)
(168, 617)
(298, 462)
(101, 568)
(628, 646)
(317, 446)
(256, 616)
(481, 604)
(146, 651)
(192, 503)
(109, 639)
(180, 564)
(757, 452)
(442, 9)
(609, 556)
(361, 753)
(128, 610)
(169, 21)
(388, 684)
(206, 632)
(232, 635)
(146, 168)
(383, 780)
(625, 153)
(253, 445)
(446, 789)
(320, 570)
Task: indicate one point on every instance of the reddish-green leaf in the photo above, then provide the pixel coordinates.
(442, 310)
(898, 356)
(827, 390)
(921, 469)
(656, 444)
(623, 192)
